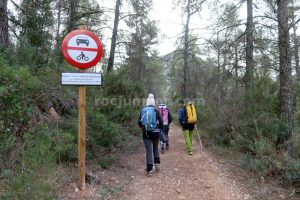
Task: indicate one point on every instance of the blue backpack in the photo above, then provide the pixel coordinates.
(148, 118)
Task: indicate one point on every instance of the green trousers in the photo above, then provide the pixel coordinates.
(188, 137)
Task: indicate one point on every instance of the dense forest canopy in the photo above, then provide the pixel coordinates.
(239, 60)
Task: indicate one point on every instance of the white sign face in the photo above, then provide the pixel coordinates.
(81, 79)
(82, 48)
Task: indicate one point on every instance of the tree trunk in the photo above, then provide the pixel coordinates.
(296, 45)
(296, 51)
(114, 38)
(58, 26)
(3, 24)
(186, 51)
(236, 65)
(73, 13)
(219, 71)
(285, 91)
(140, 53)
(249, 51)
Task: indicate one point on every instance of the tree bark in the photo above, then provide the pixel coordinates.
(219, 71)
(114, 38)
(249, 51)
(285, 92)
(186, 50)
(296, 51)
(236, 65)
(3, 24)
(59, 6)
(73, 13)
(296, 45)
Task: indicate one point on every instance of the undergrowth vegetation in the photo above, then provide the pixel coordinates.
(255, 132)
(38, 128)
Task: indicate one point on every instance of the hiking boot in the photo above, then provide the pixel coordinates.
(190, 153)
(157, 166)
(150, 173)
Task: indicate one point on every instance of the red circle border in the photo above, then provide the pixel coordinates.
(73, 62)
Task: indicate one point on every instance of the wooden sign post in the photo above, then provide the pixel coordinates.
(81, 136)
(82, 49)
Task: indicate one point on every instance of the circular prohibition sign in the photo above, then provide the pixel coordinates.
(82, 49)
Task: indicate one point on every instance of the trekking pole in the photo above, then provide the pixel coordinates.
(199, 137)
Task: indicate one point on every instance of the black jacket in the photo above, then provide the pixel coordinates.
(170, 118)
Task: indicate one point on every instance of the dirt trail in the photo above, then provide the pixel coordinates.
(201, 176)
(183, 176)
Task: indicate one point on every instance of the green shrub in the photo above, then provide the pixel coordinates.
(38, 150)
(38, 162)
(296, 143)
(242, 143)
(61, 142)
(17, 87)
(30, 185)
(102, 132)
(261, 166)
(258, 146)
(290, 169)
(205, 114)
(270, 126)
(297, 117)
(115, 100)
(65, 145)
(107, 161)
(261, 147)
(7, 142)
(259, 135)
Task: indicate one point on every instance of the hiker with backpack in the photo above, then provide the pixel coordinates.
(167, 119)
(188, 119)
(151, 123)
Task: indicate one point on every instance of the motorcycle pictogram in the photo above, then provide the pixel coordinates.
(82, 57)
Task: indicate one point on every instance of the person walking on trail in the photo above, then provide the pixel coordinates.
(151, 123)
(167, 119)
(187, 120)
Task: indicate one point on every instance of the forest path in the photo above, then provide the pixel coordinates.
(201, 176)
(183, 176)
